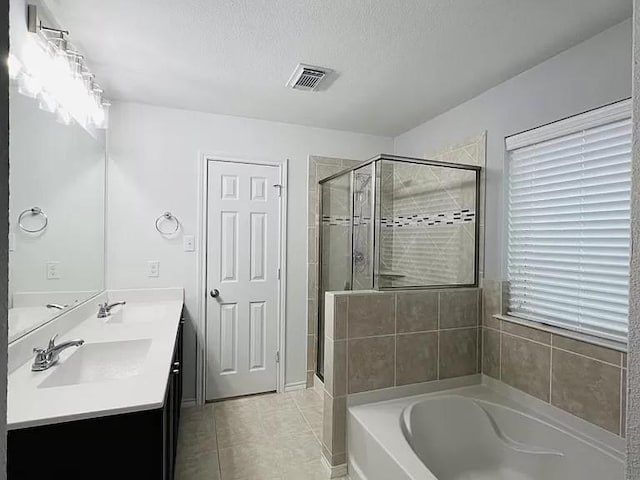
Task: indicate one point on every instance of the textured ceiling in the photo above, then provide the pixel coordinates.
(399, 63)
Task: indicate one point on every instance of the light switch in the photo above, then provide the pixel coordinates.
(189, 243)
(53, 270)
(12, 242)
(153, 268)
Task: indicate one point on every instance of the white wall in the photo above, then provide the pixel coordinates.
(153, 167)
(589, 75)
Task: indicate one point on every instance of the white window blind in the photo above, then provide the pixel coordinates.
(569, 223)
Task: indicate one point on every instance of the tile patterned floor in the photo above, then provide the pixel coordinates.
(264, 437)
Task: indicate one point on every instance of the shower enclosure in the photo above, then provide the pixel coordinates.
(397, 223)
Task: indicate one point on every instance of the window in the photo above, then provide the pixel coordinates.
(569, 222)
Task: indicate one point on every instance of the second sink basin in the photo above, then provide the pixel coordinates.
(136, 313)
(99, 362)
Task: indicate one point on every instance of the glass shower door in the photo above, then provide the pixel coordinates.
(335, 247)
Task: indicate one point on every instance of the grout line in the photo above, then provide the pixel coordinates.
(500, 356)
(551, 370)
(215, 429)
(395, 340)
(371, 336)
(527, 339)
(588, 357)
(416, 332)
(621, 393)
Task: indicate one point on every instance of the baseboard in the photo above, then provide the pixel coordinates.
(334, 471)
(292, 387)
(188, 402)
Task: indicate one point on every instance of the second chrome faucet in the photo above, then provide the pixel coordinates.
(104, 309)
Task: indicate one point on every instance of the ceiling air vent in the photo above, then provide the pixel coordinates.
(307, 77)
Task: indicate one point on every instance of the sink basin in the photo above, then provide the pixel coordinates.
(136, 313)
(99, 362)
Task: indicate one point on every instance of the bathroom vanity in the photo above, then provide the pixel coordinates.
(109, 408)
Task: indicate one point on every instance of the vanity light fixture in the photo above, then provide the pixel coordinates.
(51, 70)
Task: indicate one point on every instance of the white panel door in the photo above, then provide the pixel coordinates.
(243, 241)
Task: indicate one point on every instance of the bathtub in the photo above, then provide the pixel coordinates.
(473, 433)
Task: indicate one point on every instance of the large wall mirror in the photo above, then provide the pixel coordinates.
(57, 197)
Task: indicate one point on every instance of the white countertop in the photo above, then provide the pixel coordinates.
(29, 404)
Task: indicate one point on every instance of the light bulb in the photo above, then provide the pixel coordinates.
(14, 66)
(47, 102)
(28, 86)
(63, 117)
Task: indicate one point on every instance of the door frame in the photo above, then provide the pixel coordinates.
(201, 323)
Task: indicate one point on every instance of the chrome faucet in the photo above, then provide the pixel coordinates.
(45, 358)
(104, 309)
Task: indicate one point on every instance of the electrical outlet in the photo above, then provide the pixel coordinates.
(189, 243)
(53, 270)
(153, 268)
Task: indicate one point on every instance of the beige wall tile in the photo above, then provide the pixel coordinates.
(417, 311)
(370, 363)
(339, 444)
(491, 303)
(312, 316)
(588, 349)
(328, 365)
(479, 353)
(587, 388)
(340, 317)
(335, 367)
(311, 352)
(526, 332)
(312, 280)
(340, 368)
(491, 353)
(416, 358)
(623, 404)
(312, 208)
(505, 297)
(526, 366)
(458, 308)
(327, 423)
(312, 248)
(371, 315)
(457, 352)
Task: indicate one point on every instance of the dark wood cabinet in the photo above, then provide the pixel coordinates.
(139, 445)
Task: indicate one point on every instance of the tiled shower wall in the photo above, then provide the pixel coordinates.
(433, 258)
(586, 380)
(378, 340)
(318, 168)
(428, 225)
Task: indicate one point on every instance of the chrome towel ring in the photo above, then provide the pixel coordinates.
(37, 211)
(167, 216)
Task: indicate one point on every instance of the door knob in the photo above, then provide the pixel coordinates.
(214, 293)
